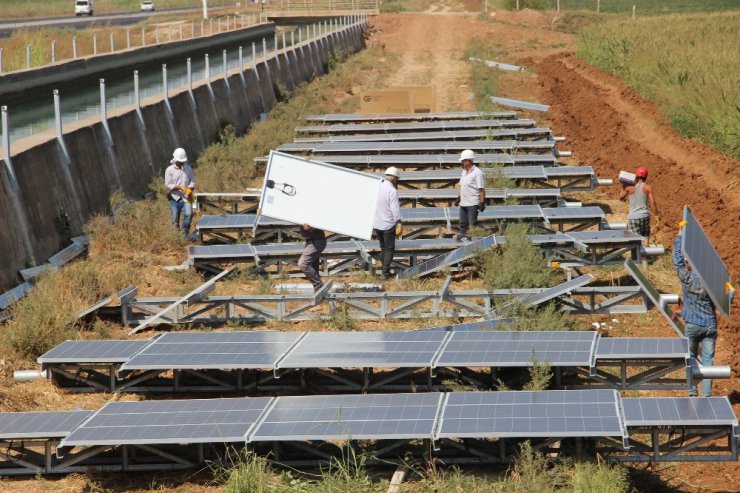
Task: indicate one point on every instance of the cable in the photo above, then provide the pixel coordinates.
(286, 188)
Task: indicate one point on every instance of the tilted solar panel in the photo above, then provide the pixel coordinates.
(455, 256)
(104, 351)
(45, 424)
(356, 417)
(642, 347)
(678, 411)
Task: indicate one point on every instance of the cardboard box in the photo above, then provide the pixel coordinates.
(387, 101)
(425, 97)
(627, 178)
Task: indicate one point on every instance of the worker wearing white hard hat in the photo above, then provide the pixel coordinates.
(387, 220)
(180, 181)
(472, 197)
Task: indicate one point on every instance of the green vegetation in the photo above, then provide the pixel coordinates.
(650, 7)
(527, 4)
(682, 63)
(483, 80)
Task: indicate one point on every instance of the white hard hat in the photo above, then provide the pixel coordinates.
(392, 171)
(179, 155)
(467, 154)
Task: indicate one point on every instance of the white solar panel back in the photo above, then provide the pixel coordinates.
(322, 195)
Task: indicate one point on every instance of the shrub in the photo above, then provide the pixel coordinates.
(527, 4)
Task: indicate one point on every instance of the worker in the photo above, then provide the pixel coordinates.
(472, 198)
(387, 220)
(180, 181)
(641, 200)
(697, 311)
(309, 261)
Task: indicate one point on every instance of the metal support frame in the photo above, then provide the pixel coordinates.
(10, 171)
(104, 114)
(166, 92)
(58, 125)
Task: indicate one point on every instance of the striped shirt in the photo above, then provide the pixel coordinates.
(698, 308)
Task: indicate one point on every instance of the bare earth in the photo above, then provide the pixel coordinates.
(607, 126)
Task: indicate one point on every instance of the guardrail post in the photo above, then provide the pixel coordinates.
(166, 90)
(28, 56)
(53, 52)
(189, 65)
(169, 32)
(58, 126)
(254, 55)
(74, 48)
(104, 114)
(128, 39)
(137, 99)
(292, 39)
(143, 37)
(241, 68)
(285, 46)
(6, 148)
(156, 35)
(210, 26)
(264, 50)
(1, 60)
(219, 25)
(227, 23)
(192, 29)
(276, 43)
(95, 44)
(226, 71)
(181, 31)
(202, 27)
(112, 43)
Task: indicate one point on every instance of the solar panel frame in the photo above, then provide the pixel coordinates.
(93, 351)
(389, 117)
(642, 348)
(350, 417)
(517, 349)
(349, 128)
(215, 350)
(706, 262)
(464, 252)
(678, 411)
(530, 414)
(561, 289)
(364, 349)
(44, 424)
(654, 297)
(221, 420)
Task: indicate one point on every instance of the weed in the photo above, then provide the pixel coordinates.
(540, 374)
(341, 318)
(590, 477)
(484, 81)
(495, 177)
(526, 4)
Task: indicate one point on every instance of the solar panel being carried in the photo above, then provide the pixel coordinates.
(706, 262)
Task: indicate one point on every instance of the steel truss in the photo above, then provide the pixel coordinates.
(366, 305)
(651, 444)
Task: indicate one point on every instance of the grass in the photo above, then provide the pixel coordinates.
(649, 7)
(682, 63)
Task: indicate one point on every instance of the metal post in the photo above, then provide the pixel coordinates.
(28, 56)
(226, 65)
(241, 59)
(95, 44)
(53, 52)
(104, 113)
(169, 32)
(210, 27)
(58, 125)
(264, 49)
(166, 90)
(292, 39)
(1, 60)
(128, 39)
(276, 43)
(285, 47)
(112, 43)
(219, 25)
(227, 22)
(143, 37)
(254, 55)
(190, 78)
(156, 34)
(6, 147)
(207, 70)
(181, 31)
(192, 29)
(74, 48)
(300, 36)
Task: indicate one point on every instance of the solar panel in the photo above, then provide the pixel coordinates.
(214, 350)
(520, 104)
(13, 295)
(417, 160)
(468, 134)
(103, 351)
(517, 349)
(706, 262)
(642, 348)
(349, 128)
(430, 146)
(471, 326)
(356, 417)
(28, 425)
(364, 349)
(654, 297)
(569, 171)
(571, 213)
(678, 411)
(445, 260)
(554, 413)
(170, 421)
(521, 172)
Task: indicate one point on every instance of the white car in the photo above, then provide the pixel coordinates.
(147, 6)
(83, 7)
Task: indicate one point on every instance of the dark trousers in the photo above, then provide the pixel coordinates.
(387, 240)
(310, 261)
(468, 217)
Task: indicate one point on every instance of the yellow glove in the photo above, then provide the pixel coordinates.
(682, 224)
(399, 229)
(729, 288)
(189, 196)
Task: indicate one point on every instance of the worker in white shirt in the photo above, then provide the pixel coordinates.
(180, 182)
(472, 197)
(387, 218)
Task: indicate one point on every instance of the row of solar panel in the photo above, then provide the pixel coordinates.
(587, 239)
(571, 413)
(430, 146)
(437, 159)
(450, 135)
(359, 128)
(417, 349)
(427, 215)
(408, 117)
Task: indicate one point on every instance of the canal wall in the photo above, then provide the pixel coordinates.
(68, 180)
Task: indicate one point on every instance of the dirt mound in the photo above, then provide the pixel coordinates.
(530, 17)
